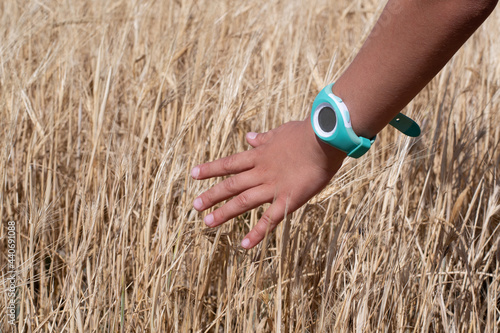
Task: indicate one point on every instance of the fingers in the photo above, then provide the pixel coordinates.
(257, 139)
(245, 185)
(232, 164)
(272, 216)
(225, 166)
(240, 204)
(227, 188)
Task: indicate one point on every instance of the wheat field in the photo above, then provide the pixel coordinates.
(107, 105)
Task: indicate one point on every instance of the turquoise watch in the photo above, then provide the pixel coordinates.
(332, 124)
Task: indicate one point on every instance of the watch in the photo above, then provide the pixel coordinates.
(332, 124)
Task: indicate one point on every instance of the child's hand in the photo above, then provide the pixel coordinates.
(287, 167)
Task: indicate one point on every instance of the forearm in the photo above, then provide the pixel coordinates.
(409, 45)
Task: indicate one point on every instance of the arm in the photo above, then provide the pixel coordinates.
(410, 43)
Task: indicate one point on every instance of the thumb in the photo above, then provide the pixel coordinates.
(257, 139)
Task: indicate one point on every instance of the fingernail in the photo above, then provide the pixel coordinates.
(209, 219)
(198, 203)
(251, 135)
(195, 172)
(245, 243)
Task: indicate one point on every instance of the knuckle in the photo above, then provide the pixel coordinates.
(252, 155)
(282, 199)
(266, 136)
(267, 221)
(267, 225)
(229, 184)
(264, 170)
(228, 163)
(208, 198)
(220, 214)
(262, 137)
(242, 200)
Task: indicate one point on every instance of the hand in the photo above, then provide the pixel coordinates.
(287, 167)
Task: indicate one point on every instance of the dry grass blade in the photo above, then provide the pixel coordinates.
(106, 106)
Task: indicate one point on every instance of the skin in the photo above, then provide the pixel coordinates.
(288, 165)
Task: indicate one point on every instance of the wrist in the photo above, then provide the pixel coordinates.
(328, 157)
(331, 122)
(361, 123)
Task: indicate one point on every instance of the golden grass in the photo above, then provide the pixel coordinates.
(107, 105)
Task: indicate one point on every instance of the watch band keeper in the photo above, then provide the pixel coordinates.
(363, 147)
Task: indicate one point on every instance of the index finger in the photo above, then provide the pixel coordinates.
(225, 166)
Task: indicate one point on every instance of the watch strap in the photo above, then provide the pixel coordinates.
(405, 125)
(362, 148)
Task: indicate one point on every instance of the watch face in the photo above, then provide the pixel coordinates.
(327, 119)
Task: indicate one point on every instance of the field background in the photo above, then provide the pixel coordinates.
(107, 105)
